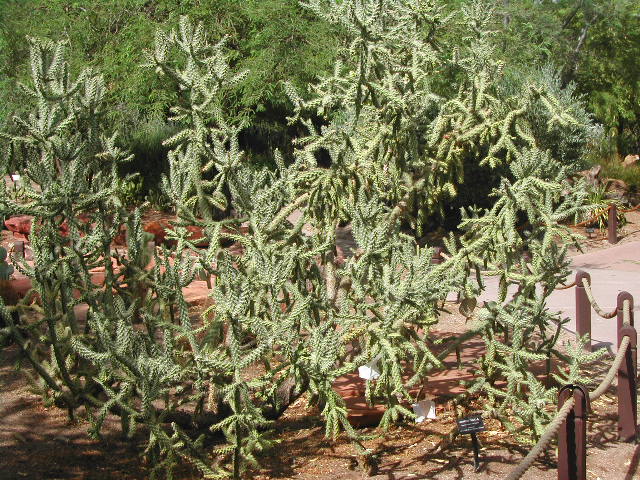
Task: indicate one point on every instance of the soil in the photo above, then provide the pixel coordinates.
(37, 442)
(41, 443)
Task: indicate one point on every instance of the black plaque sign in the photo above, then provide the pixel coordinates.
(472, 425)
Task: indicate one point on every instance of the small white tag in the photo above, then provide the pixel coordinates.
(370, 371)
(15, 177)
(424, 409)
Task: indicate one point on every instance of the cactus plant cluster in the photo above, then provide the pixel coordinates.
(289, 315)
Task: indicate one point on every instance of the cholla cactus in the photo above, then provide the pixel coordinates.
(70, 188)
(399, 131)
(289, 313)
(526, 256)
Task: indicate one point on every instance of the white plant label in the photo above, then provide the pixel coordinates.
(15, 177)
(424, 409)
(370, 371)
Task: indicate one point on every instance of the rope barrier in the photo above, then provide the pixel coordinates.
(630, 209)
(564, 287)
(546, 437)
(611, 374)
(595, 217)
(594, 304)
(626, 312)
(587, 222)
(561, 415)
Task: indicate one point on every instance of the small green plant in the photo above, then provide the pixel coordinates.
(131, 191)
(6, 270)
(159, 200)
(599, 201)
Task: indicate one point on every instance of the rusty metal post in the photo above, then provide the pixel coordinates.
(572, 435)
(627, 387)
(583, 308)
(612, 224)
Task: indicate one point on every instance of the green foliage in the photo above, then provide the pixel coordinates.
(599, 204)
(5, 269)
(613, 168)
(68, 165)
(149, 155)
(275, 39)
(596, 44)
(519, 332)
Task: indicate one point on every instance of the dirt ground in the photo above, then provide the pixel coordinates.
(40, 443)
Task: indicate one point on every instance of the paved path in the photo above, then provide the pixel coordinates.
(612, 270)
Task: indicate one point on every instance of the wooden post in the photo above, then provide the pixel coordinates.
(572, 435)
(622, 296)
(583, 308)
(627, 387)
(612, 224)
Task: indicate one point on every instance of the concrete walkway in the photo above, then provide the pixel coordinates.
(612, 271)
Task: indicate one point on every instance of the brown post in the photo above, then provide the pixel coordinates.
(627, 387)
(612, 224)
(572, 435)
(622, 296)
(583, 308)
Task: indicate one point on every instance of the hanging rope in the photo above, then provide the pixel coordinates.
(592, 301)
(564, 287)
(561, 415)
(633, 209)
(546, 437)
(595, 217)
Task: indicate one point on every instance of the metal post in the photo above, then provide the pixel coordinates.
(572, 435)
(583, 308)
(612, 224)
(627, 387)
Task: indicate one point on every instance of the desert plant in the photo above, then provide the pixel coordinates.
(70, 187)
(289, 313)
(599, 200)
(520, 334)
